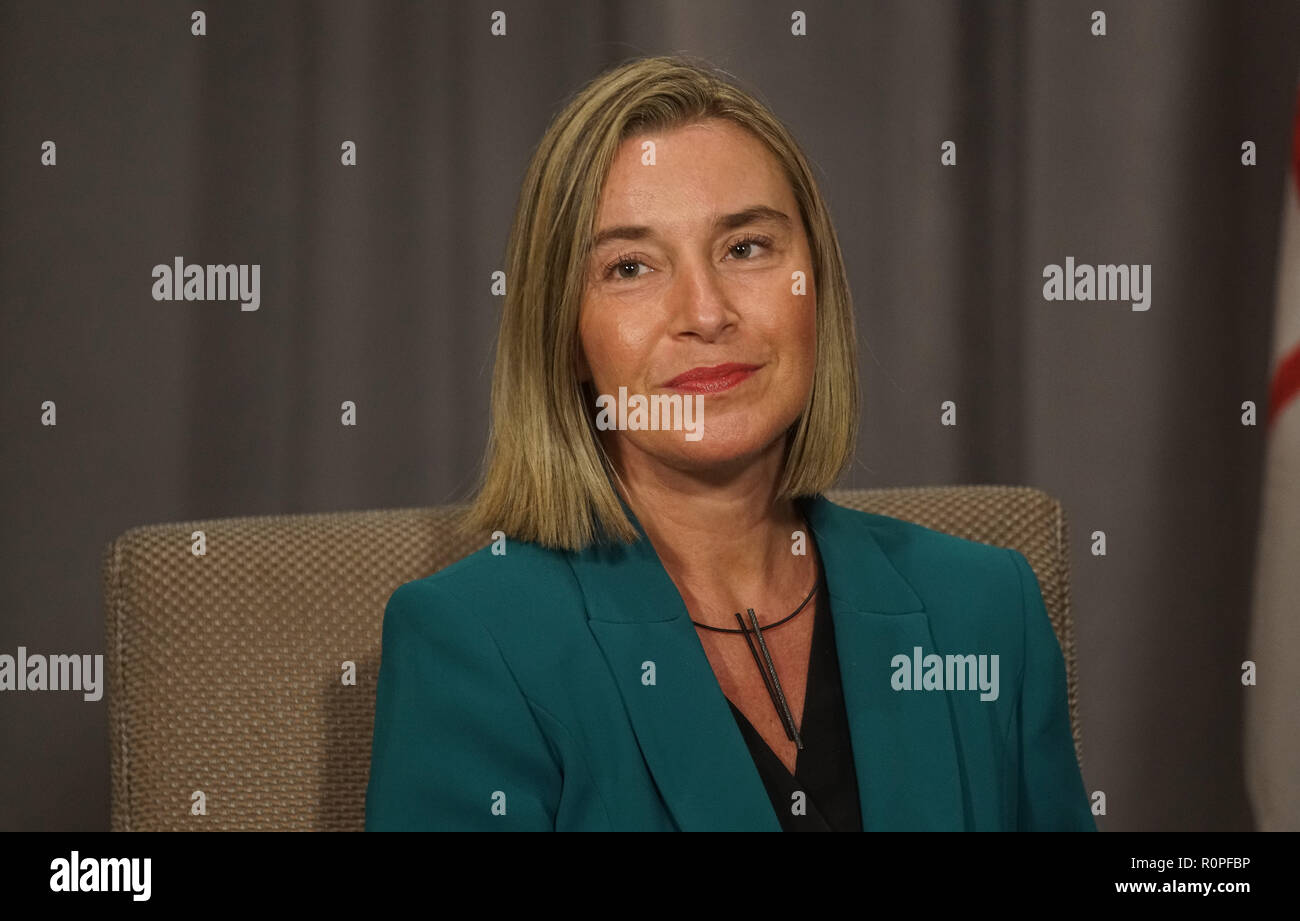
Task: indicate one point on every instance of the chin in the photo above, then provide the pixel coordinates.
(716, 450)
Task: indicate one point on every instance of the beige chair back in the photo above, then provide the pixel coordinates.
(225, 670)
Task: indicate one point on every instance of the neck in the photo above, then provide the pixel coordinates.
(724, 539)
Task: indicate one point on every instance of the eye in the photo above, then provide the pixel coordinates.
(747, 244)
(622, 262)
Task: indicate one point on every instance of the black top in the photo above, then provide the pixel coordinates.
(824, 770)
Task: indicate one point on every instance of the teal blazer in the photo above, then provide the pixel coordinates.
(548, 690)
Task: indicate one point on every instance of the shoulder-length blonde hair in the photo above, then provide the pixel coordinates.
(546, 478)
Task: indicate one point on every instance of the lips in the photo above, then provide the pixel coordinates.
(711, 379)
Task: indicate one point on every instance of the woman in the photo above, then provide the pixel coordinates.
(673, 628)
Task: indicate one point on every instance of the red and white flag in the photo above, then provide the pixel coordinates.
(1273, 705)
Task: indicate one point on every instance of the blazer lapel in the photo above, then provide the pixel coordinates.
(903, 744)
(682, 721)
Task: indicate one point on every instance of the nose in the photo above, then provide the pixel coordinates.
(700, 303)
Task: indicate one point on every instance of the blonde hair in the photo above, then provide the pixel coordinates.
(546, 478)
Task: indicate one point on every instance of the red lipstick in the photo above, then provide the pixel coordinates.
(713, 379)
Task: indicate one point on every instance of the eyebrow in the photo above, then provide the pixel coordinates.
(750, 215)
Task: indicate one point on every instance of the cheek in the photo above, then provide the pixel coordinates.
(808, 314)
(802, 336)
(607, 348)
(618, 347)
(798, 324)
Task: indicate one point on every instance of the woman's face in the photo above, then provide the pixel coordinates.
(694, 267)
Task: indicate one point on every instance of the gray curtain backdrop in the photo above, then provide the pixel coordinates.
(375, 288)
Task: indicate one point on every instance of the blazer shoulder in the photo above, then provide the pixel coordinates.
(505, 591)
(956, 578)
(918, 548)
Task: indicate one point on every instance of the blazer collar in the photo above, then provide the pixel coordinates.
(904, 754)
(858, 571)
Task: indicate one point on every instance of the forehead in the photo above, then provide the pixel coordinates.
(698, 170)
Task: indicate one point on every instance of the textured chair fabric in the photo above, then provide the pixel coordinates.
(226, 670)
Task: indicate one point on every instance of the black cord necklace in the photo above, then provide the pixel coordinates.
(766, 667)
